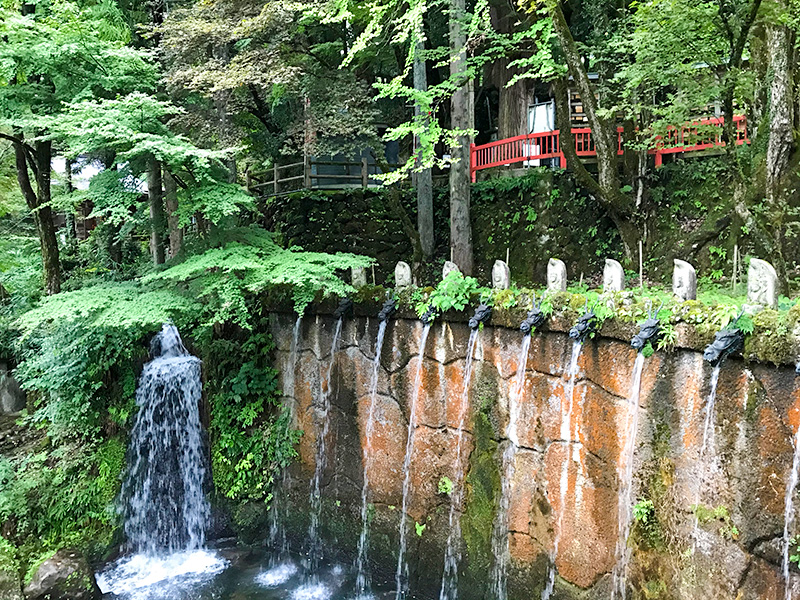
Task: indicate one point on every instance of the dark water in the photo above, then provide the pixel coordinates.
(234, 574)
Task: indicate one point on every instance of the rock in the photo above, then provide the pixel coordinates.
(402, 275)
(556, 275)
(64, 576)
(684, 281)
(613, 277)
(358, 277)
(12, 398)
(501, 275)
(762, 283)
(448, 268)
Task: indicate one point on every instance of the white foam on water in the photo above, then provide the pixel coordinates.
(312, 591)
(141, 576)
(277, 575)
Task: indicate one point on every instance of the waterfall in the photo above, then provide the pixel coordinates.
(452, 556)
(566, 435)
(624, 507)
(708, 433)
(362, 578)
(788, 515)
(166, 511)
(278, 513)
(500, 532)
(315, 498)
(166, 508)
(401, 576)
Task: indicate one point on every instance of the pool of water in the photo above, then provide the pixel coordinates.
(232, 574)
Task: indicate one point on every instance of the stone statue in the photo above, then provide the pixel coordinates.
(449, 267)
(613, 277)
(402, 275)
(358, 275)
(501, 275)
(556, 275)
(684, 281)
(762, 283)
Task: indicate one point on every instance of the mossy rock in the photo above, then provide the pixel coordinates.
(771, 340)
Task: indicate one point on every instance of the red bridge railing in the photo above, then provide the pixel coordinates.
(698, 135)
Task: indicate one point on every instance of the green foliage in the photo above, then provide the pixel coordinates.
(247, 261)
(647, 525)
(62, 496)
(453, 292)
(419, 528)
(215, 201)
(707, 514)
(445, 486)
(251, 435)
(64, 53)
(794, 552)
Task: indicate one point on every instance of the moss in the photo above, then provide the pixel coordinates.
(35, 564)
(483, 491)
(8, 557)
(577, 303)
(770, 340)
(560, 300)
(370, 293)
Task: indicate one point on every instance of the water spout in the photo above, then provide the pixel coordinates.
(452, 556)
(625, 473)
(387, 310)
(726, 342)
(401, 575)
(585, 327)
(482, 314)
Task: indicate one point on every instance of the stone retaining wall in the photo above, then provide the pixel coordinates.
(743, 474)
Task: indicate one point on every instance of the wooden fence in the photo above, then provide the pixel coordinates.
(314, 174)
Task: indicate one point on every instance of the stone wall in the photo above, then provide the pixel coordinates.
(743, 473)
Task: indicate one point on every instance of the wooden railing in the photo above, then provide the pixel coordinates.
(284, 179)
(699, 135)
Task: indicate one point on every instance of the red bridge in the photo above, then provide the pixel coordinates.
(699, 135)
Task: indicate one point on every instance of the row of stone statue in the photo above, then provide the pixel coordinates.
(762, 281)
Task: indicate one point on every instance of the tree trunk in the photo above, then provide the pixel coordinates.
(156, 199)
(171, 202)
(424, 177)
(780, 144)
(38, 159)
(612, 200)
(44, 222)
(221, 99)
(512, 115)
(69, 215)
(461, 118)
(607, 189)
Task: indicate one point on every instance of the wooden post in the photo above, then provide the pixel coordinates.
(735, 265)
(364, 172)
(306, 172)
(275, 177)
